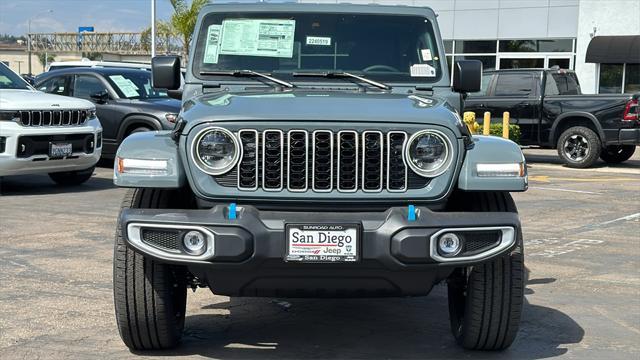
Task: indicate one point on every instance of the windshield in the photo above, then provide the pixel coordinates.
(10, 80)
(135, 85)
(394, 48)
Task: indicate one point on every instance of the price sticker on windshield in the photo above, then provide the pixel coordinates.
(422, 70)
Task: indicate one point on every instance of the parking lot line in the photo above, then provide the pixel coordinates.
(565, 190)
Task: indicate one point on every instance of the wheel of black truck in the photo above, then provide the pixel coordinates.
(150, 297)
(616, 154)
(579, 147)
(485, 301)
(70, 178)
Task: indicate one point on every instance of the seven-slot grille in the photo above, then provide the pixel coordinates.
(52, 117)
(322, 161)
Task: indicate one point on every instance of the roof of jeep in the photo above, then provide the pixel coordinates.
(321, 8)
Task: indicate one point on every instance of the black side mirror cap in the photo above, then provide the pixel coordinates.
(467, 76)
(100, 97)
(175, 94)
(165, 72)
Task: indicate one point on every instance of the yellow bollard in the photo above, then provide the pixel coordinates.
(505, 125)
(469, 118)
(487, 123)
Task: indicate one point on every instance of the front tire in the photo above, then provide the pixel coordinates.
(71, 178)
(616, 154)
(150, 297)
(579, 147)
(485, 300)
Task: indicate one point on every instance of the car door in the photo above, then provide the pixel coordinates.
(518, 93)
(477, 101)
(87, 86)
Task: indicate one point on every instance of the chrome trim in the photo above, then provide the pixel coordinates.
(439, 170)
(404, 161)
(257, 159)
(195, 155)
(355, 188)
(135, 239)
(306, 154)
(313, 164)
(264, 136)
(507, 239)
(364, 149)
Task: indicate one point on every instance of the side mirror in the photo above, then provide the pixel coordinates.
(100, 97)
(467, 76)
(165, 72)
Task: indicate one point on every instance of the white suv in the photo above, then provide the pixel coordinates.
(45, 133)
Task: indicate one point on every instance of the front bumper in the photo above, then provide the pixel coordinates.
(396, 254)
(12, 163)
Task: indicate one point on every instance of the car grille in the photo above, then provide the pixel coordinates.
(52, 117)
(322, 161)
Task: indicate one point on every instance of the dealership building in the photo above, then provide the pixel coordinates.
(599, 39)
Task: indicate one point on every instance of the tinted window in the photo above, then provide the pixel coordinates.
(486, 80)
(382, 47)
(475, 46)
(514, 85)
(550, 87)
(610, 78)
(11, 80)
(86, 85)
(632, 78)
(56, 85)
(566, 83)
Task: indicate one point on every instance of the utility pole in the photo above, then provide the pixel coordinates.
(29, 34)
(153, 28)
(19, 67)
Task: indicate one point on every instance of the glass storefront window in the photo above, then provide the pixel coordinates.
(488, 62)
(610, 78)
(521, 63)
(632, 78)
(561, 63)
(547, 45)
(475, 46)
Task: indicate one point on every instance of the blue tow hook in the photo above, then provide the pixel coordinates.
(411, 214)
(232, 211)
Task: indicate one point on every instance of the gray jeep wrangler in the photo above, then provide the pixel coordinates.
(319, 153)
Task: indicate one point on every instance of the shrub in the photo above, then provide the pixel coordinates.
(514, 132)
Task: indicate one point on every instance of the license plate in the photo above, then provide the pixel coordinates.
(60, 150)
(322, 242)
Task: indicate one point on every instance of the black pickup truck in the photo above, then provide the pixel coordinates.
(551, 111)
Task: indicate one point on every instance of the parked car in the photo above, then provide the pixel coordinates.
(44, 133)
(124, 100)
(57, 65)
(313, 164)
(551, 111)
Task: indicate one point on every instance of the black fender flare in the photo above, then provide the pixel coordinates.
(553, 135)
(138, 120)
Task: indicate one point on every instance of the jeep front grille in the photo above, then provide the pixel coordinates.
(322, 161)
(53, 117)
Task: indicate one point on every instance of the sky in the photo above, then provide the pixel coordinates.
(68, 15)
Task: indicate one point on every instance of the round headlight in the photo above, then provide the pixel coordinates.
(216, 151)
(429, 153)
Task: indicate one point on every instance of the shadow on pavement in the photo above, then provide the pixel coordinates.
(551, 157)
(403, 328)
(41, 184)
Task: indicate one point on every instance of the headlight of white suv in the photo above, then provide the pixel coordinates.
(216, 150)
(429, 153)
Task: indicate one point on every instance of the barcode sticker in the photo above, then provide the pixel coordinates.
(422, 70)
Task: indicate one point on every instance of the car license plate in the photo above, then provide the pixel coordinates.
(322, 242)
(60, 150)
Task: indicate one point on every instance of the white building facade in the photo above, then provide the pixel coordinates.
(536, 33)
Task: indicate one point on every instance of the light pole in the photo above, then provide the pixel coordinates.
(29, 34)
(153, 28)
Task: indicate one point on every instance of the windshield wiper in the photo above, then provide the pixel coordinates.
(248, 73)
(341, 74)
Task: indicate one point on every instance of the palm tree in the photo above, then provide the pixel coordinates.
(184, 19)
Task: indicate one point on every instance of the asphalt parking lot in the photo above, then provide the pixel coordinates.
(582, 244)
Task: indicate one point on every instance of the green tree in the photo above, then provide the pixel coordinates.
(165, 33)
(183, 21)
(46, 58)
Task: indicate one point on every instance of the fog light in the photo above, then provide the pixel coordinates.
(194, 242)
(449, 244)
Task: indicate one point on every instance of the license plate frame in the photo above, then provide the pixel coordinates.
(348, 255)
(58, 150)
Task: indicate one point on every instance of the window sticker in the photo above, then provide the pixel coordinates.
(426, 54)
(4, 80)
(318, 41)
(257, 37)
(128, 88)
(422, 70)
(213, 43)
